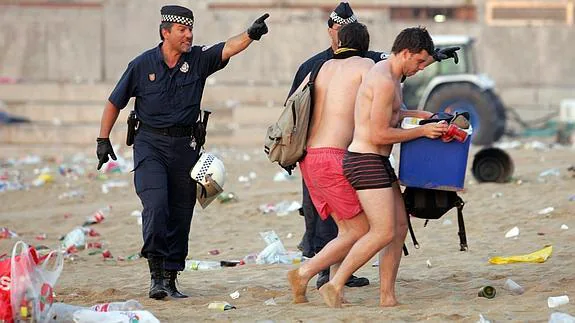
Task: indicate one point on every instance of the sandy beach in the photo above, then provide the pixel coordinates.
(445, 291)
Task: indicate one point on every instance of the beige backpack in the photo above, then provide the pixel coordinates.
(286, 139)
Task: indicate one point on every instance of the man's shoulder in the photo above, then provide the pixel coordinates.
(144, 57)
(202, 48)
(321, 56)
(353, 64)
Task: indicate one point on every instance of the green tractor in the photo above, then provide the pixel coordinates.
(448, 87)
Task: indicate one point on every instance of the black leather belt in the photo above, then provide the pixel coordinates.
(174, 131)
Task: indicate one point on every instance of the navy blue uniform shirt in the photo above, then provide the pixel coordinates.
(167, 97)
(307, 66)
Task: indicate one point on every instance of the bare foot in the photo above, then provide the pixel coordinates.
(330, 295)
(298, 287)
(388, 302)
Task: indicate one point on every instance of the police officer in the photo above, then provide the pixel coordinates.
(317, 232)
(168, 83)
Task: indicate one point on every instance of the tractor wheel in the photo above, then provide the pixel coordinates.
(486, 111)
(492, 165)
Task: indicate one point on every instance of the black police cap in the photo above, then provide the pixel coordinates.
(342, 14)
(177, 14)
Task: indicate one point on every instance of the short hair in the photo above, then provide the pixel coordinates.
(354, 35)
(330, 23)
(414, 39)
(167, 26)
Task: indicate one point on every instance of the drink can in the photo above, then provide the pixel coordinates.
(487, 292)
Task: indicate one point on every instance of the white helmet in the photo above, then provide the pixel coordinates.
(210, 174)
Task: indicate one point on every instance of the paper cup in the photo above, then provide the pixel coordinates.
(555, 301)
(513, 287)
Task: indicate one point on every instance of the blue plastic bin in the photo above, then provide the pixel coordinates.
(434, 164)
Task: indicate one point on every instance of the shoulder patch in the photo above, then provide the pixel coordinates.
(206, 47)
(384, 56)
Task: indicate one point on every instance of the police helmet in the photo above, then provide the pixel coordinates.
(210, 174)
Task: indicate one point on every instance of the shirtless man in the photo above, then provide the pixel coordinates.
(366, 163)
(331, 132)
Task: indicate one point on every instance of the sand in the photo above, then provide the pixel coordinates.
(446, 291)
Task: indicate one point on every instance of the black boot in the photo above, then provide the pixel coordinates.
(157, 288)
(322, 278)
(170, 283)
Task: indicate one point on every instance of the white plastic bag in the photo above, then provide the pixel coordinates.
(89, 316)
(31, 291)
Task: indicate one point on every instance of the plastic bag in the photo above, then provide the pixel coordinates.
(535, 257)
(89, 316)
(5, 283)
(32, 282)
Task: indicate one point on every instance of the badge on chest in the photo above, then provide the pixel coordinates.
(185, 67)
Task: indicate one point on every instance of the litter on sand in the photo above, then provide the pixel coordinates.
(535, 257)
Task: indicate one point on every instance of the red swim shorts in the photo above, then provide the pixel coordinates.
(329, 190)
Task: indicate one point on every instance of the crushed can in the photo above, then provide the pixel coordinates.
(487, 292)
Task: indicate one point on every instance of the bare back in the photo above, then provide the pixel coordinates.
(336, 87)
(376, 109)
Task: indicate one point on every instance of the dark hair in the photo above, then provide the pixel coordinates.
(330, 23)
(354, 35)
(167, 26)
(414, 39)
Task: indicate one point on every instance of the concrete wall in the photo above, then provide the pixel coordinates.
(532, 66)
(51, 43)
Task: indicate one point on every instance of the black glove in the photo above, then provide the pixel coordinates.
(104, 149)
(258, 28)
(445, 53)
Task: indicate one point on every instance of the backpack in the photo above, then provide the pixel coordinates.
(286, 139)
(432, 204)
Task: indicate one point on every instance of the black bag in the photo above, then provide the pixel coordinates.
(431, 204)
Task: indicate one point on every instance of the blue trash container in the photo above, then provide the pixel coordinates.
(434, 164)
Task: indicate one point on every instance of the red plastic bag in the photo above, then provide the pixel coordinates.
(27, 286)
(5, 282)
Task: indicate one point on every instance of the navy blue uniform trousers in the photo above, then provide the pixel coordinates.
(162, 180)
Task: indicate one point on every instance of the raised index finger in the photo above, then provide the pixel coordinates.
(262, 18)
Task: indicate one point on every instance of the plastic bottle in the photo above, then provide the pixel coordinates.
(129, 305)
(290, 258)
(227, 197)
(558, 317)
(71, 194)
(76, 237)
(192, 265)
(89, 316)
(98, 216)
(62, 312)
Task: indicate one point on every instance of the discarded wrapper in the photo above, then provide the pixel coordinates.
(222, 306)
(536, 257)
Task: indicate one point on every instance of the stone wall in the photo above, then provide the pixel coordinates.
(532, 66)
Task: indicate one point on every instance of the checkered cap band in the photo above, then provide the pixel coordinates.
(339, 20)
(204, 169)
(178, 19)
